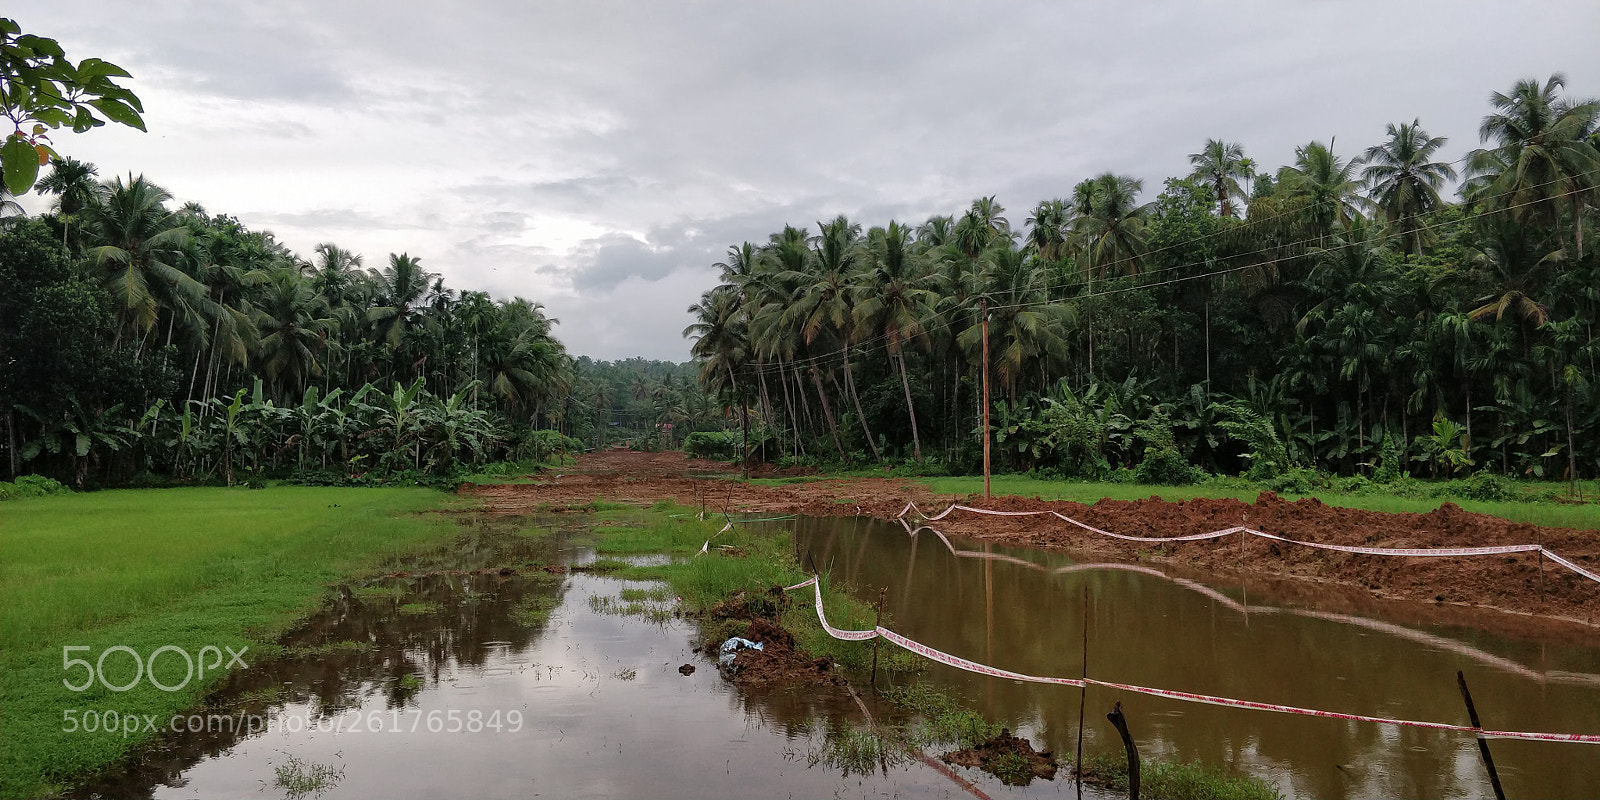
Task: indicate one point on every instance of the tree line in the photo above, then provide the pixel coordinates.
(142, 336)
(1338, 313)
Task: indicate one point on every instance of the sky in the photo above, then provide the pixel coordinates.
(600, 157)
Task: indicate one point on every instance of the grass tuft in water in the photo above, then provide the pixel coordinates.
(299, 778)
(940, 719)
(1192, 781)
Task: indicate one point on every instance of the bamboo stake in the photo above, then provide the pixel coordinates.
(878, 623)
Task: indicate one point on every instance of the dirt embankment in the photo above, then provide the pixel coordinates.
(1508, 582)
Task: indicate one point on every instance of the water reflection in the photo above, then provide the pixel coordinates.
(601, 709)
(1023, 610)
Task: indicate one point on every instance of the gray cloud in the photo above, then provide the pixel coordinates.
(602, 155)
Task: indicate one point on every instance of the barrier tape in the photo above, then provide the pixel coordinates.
(1410, 552)
(1171, 694)
(1437, 642)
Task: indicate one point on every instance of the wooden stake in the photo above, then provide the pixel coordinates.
(1133, 751)
(1483, 744)
(1541, 574)
(883, 594)
(1083, 692)
(985, 314)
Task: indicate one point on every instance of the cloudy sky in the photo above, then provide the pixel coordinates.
(600, 157)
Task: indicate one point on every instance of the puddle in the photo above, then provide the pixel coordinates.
(1023, 610)
(482, 684)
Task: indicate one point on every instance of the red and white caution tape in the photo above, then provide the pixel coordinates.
(1404, 551)
(1408, 552)
(984, 669)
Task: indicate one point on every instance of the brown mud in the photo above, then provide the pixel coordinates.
(778, 661)
(1514, 583)
(991, 757)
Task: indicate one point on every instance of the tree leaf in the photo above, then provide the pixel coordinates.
(118, 111)
(21, 164)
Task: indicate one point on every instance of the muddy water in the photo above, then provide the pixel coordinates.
(1024, 610)
(450, 685)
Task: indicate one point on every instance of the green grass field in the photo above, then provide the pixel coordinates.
(145, 569)
(1557, 515)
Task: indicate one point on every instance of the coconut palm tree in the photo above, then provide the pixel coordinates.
(893, 298)
(143, 243)
(403, 292)
(1325, 183)
(293, 324)
(1221, 165)
(1541, 155)
(1403, 182)
(1109, 225)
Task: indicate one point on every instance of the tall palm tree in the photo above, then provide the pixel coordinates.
(1047, 230)
(1541, 155)
(143, 244)
(75, 187)
(893, 298)
(1109, 225)
(293, 324)
(404, 286)
(1221, 165)
(1403, 181)
(1325, 183)
(1026, 331)
(722, 346)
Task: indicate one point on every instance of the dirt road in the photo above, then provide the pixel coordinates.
(1509, 582)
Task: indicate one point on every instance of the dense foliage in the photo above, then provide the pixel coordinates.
(139, 339)
(1337, 314)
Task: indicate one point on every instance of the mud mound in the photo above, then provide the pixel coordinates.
(777, 661)
(767, 605)
(1514, 583)
(1012, 759)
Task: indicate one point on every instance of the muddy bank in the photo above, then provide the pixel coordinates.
(1509, 583)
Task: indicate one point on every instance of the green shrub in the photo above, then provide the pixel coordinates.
(1164, 467)
(31, 486)
(1483, 486)
(712, 445)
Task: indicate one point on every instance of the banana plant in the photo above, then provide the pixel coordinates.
(77, 432)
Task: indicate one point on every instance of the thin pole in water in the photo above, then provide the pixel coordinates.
(1083, 692)
(1121, 724)
(1483, 744)
(883, 593)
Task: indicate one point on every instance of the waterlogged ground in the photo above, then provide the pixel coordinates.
(469, 682)
(1024, 610)
(466, 684)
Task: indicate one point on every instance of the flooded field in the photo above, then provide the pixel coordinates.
(469, 682)
(1023, 610)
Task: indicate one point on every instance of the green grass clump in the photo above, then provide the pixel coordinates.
(298, 778)
(189, 567)
(940, 719)
(1192, 781)
(534, 609)
(419, 609)
(328, 650)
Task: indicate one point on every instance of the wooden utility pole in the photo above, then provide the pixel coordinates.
(985, 312)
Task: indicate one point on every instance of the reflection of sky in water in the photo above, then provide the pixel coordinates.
(1023, 610)
(587, 730)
